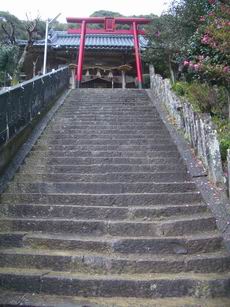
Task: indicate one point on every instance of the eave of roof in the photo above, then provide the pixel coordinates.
(61, 39)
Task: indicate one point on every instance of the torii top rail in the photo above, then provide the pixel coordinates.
(109, 27)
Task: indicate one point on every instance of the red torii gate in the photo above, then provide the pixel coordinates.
(109, 27)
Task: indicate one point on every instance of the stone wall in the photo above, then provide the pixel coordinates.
(197, 128)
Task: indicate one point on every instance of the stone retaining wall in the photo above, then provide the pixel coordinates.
(197, 128)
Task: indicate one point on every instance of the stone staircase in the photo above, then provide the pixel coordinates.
(104, 213)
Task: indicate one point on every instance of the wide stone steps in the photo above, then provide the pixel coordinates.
(107, 177)
(101, 188)
(102, 160)
(93, 148)
(103, 154)
(167, 227)
(44, 300)
(101, 263)
(121, 200)
(105, 168)
(204, 242)
(109, 142)
(100, 212)
(122, 285)
(103, 207)
(95, 136)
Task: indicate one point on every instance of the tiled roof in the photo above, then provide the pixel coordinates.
(59, 39)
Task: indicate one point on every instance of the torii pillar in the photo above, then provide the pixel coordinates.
(81, 54)
(137, 56)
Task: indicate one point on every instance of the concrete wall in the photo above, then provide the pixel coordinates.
(197, 128)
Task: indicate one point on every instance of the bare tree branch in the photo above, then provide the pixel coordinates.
(10, 34)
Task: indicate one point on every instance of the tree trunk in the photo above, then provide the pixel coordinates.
(20, 64)
(22, 59)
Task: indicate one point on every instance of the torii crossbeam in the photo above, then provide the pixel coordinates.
(109, 27)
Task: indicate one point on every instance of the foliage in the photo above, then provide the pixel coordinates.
(146, 80)
(20, 32)
(170, 33)
(204, 97)
(207, 57)
(223, 129)
(212, 100)
(105, 13)
(8, 61)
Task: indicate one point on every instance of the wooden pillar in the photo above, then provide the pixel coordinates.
(73, 69)
(81, 54)
(137, 56)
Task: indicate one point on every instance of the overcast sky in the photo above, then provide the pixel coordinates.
(84, 8)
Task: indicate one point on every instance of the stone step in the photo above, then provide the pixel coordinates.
(123, 285)
(11, 239)
(87, 115)
(97, 263)
(105, 126)
(108, 142)
(100, 188)
(108, 117)
(91, 147)
(106, 168)
(204, 242)
(113, 134)
(103, 112)
(171, 227)
(99, 212)
(120, 200)
(175, 176)
(104, 154)
(77, 136)
(56, 130)
(9, 298)
(100, 160)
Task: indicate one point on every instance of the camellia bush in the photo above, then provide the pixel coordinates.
(207, 57)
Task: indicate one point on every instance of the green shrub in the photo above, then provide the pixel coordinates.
(146, 80)
(223, 130)
(204, 97)
(180, 88)
(224, 146)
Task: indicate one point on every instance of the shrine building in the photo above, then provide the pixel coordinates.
(104, 57)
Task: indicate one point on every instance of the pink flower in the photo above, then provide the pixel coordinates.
(226, 69)
(196, 66)
(202, 18)
(205, 39)
(191, 65)
(186, 63)
(211, 14)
